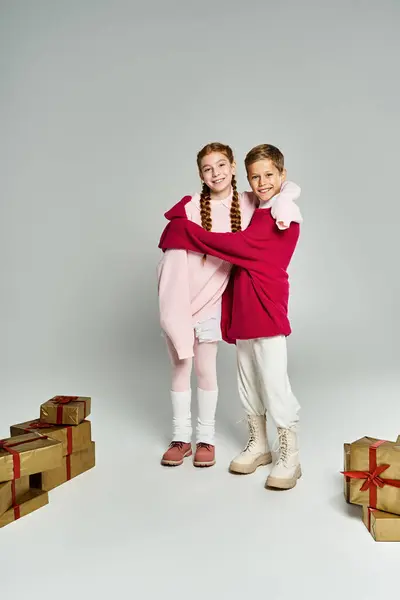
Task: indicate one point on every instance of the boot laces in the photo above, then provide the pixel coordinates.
(252, 437)
(204, 445)
(176, 445)
(282, 445)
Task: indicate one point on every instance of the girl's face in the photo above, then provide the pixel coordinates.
(265, 179)
(216, 171)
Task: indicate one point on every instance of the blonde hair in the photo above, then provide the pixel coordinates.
(265, 151)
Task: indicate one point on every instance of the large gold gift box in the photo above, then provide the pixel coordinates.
(73, 465)
(27, 454)
(65, 410)
(28, 503)
(11, 492)
(73, 438)
(374, 472)
(383, 526)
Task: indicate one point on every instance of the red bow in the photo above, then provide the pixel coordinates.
(38, 425)
(64, 399)
(371, 478)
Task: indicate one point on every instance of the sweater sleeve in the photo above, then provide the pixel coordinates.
(241, 248)
(174, 301)
(285, 210)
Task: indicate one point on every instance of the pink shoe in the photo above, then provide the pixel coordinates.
(205, 455)
(175, 454)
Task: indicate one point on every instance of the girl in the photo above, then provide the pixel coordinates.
(190, 288)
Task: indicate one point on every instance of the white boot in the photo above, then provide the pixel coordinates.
(287, 470)
(256, 452)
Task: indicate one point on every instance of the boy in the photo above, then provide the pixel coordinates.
(254, 314)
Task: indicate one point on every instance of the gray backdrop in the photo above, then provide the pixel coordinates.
(104, 106)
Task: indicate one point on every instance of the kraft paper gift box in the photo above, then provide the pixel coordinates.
(11, 492)
(72, 437)
(73, 465)
(374, 472)
(27, 454)
(65, 410)
(383, 526)
(32, 500)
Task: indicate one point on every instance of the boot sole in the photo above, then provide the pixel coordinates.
(283, 484)
(204, 464)
(175, 463)
(239, 469)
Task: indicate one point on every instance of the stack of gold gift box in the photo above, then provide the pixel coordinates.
(372, 480)
(44, 453)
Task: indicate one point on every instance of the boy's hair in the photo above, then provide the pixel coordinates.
(265, 151)
(205, 198)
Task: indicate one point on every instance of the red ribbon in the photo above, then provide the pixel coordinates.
(16, 507)
(68, 462)
(8, 447)
(373, 478)
(61, 401)
(40, 425)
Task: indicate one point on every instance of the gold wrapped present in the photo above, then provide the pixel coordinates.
(11, 492)
(26, 454)
(383, 526)
(374, 472)
(28, 503)
(65, 410)
(73, 465)
(72, 437)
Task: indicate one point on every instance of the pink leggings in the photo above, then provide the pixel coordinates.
(205, 365)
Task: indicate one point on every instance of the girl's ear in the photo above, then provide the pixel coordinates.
(283, 176)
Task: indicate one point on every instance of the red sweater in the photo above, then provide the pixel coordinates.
(255, 303)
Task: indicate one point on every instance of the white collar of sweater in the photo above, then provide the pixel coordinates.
(225, 202)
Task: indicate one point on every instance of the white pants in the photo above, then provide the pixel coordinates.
(263, 381)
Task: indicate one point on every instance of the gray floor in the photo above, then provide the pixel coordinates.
(192, 533)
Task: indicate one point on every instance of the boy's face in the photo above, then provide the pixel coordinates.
(265, 179)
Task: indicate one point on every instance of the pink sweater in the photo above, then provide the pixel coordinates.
(189, 290)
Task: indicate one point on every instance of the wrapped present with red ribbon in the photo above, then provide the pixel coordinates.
(383, 526)
(73, 465)
(32, 500)
(11, 492)
(73, 438)
(65, 410)
(374, 473)
(27, 454)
